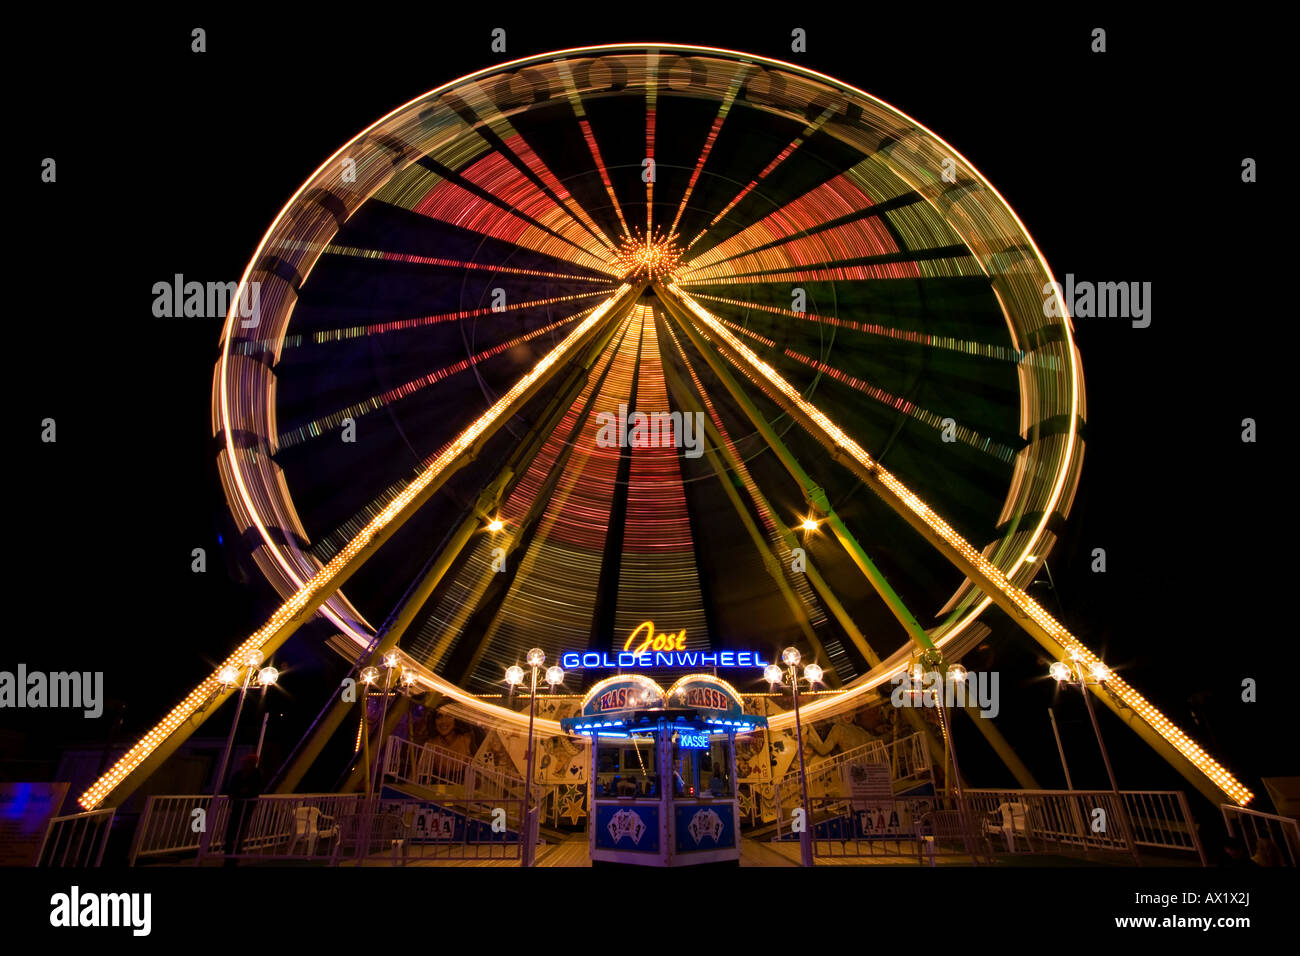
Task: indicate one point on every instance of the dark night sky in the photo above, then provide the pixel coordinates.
(1123, 166)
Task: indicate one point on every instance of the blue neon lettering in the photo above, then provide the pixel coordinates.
(574, 660)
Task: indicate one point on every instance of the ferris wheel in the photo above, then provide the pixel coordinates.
(870, 401)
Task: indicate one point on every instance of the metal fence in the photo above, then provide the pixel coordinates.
(1271, 840)
(1036, 821)
(77, 839)
(913, 829)
(169, 825)
(353, 829)
(425, 765)
(982, 824)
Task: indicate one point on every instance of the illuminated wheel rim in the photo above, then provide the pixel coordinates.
(908, 207)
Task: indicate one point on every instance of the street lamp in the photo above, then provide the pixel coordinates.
(249, 673)
(391, 662)
(368, 677)
(776, 677)
(1078, 673)
(956, 674)
(536, 658)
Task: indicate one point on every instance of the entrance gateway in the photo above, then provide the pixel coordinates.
(662, 787)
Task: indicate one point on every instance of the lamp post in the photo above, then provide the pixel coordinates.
(1073, 673)
(956, 675)
(515, 676)
(229, 676)
(391, 661)
(812, 673)
(368, 677)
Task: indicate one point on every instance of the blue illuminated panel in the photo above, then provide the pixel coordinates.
(689, 741)
(704, 826)
(627, 827)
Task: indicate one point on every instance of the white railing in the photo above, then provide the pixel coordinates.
(333, 829)
(77, 839)
(426, 765)
(170, 825)
(1162, 819)
(909, 760)
(906, 759)
(286, 826)
(1259, 830)
(825, 778)
(1037, 820)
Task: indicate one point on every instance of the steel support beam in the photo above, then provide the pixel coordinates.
(155, 747)
(1196, 766)
(813, 492)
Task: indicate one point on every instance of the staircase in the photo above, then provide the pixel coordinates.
(444, 778)
(906, 757)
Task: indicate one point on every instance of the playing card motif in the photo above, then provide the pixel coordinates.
(626, 823)
(705, 823)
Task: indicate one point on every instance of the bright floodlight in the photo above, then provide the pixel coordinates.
(254, 658)
(409, 677)
(391, 659)
(809, 524)
(813, 674)
(1100, 672)
(228, 674)
(790, 655)
(268, 676)
(369, 675)
(536, 657)
(555, 674)
(496, 524)
(1060, 671)
(957, 673)
(772, 674)
(514, 675)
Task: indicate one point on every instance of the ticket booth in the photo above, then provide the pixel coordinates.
(662, 787)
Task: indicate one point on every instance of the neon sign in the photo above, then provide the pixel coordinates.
(689, 741)
(650, 641)
(646, 649)
(594, 660)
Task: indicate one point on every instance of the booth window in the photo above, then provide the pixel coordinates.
(626, 767)
(702, 771)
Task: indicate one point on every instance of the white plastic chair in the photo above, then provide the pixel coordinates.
(311, 825)
(1010, 819)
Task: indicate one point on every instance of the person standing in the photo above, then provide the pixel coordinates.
(244, 789)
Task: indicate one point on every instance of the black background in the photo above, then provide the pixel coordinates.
(1124, 166)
